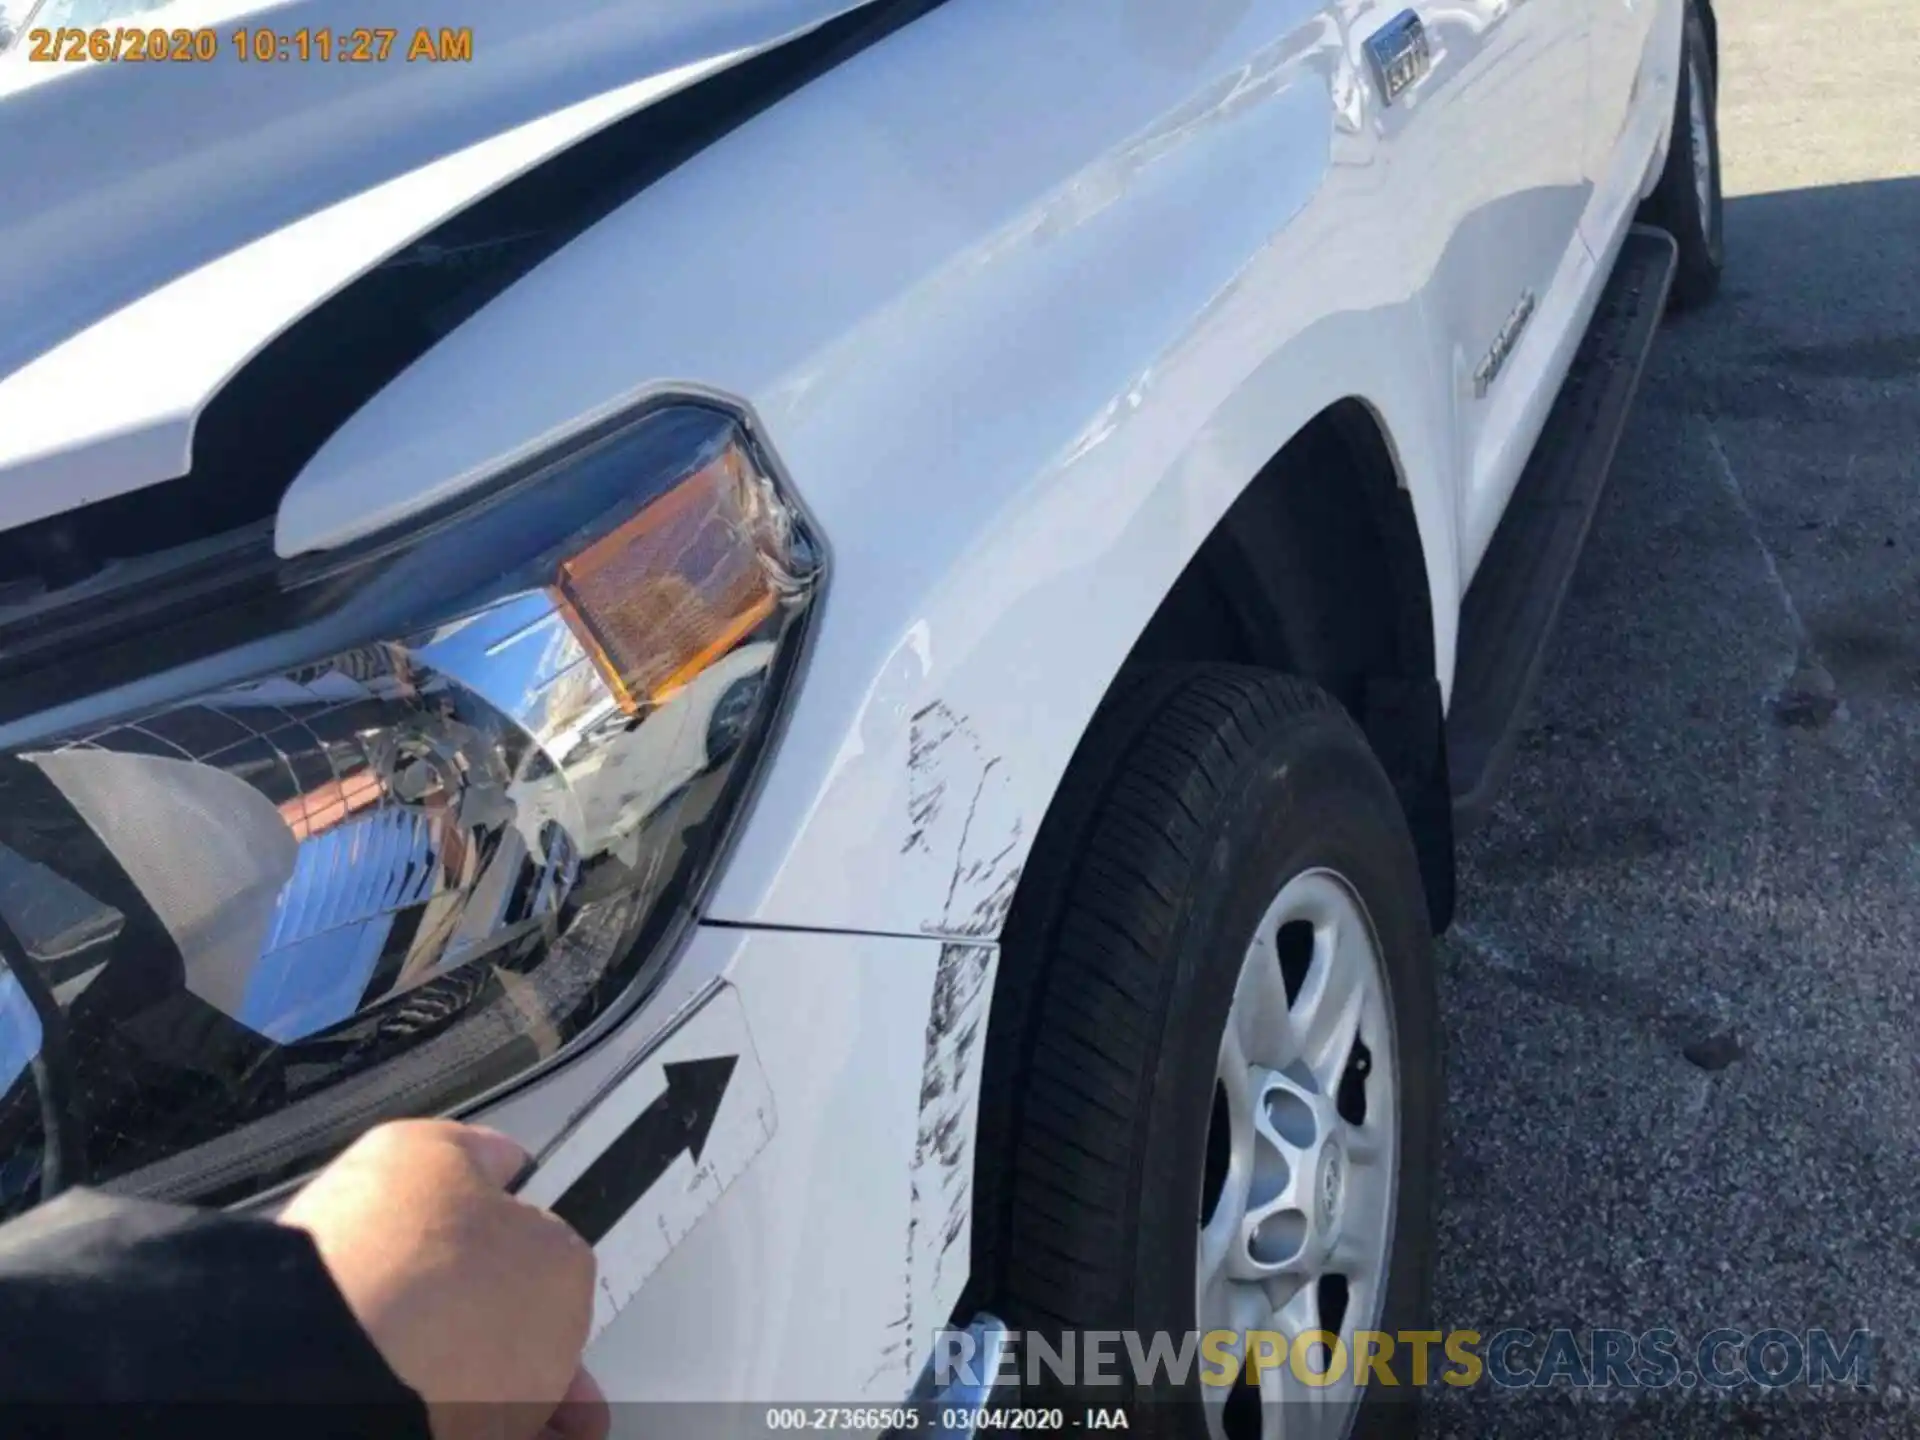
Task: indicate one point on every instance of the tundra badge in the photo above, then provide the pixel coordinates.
(1503, 344)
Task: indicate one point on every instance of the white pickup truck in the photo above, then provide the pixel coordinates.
(867, 624)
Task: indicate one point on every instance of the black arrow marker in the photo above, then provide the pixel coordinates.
(678, 1120)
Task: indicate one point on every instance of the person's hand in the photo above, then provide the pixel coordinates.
(478, 1301)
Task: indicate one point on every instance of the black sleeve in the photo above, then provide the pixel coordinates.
(113, 1309)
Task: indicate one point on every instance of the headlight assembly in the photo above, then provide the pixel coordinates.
(392, 830)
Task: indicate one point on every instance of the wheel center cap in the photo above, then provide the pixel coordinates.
(1329, 1186)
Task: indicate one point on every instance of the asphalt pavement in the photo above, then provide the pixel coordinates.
(1683, 993)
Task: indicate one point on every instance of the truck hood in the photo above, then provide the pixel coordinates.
(160, 223)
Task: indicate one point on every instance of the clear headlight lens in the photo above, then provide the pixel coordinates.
(389, 876)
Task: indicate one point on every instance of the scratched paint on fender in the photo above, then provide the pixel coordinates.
(963, 824)
(662, 1215)
(940, 1220)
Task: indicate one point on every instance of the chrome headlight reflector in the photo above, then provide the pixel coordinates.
(452, 826)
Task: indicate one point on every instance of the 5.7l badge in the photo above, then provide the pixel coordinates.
(1401, 54)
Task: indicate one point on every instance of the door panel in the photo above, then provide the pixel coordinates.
(1633, 64)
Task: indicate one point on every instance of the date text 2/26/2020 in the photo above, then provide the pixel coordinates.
(129, 44)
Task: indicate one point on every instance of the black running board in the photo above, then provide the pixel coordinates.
(1509, 612)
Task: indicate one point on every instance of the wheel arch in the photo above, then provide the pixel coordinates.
(1318, 570)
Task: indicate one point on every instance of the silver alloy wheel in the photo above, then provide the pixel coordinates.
(1700, 133)
(1302, 1212)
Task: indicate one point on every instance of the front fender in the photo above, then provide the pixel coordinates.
(1023, 296)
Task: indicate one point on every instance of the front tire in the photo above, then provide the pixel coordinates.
(1687, 201)
(1217, 1070)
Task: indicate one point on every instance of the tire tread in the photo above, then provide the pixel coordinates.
(1104, 989)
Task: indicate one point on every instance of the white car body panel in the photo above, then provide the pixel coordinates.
(1518, 405)
(1622, 61)
(62, 444)
(1022, 297)
(940, 243)
(928, 239)
(1647, 37)
(137, 277)
(1484, 233)
(854, 1216)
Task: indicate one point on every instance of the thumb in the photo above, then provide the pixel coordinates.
(497, 1157)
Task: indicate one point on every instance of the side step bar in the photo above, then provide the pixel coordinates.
(1511, 606)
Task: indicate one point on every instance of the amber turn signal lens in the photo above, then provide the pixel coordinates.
(680, 584)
